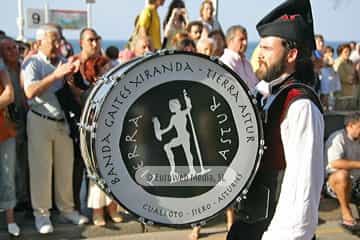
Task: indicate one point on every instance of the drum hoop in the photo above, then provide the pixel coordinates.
(89, 151)
(251, 98)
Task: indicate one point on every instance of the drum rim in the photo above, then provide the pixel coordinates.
(252, 100)
(89, 151)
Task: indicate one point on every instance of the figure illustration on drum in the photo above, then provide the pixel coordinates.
(179, 120)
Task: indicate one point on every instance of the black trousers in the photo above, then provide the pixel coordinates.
(245, 231)
(78, 173)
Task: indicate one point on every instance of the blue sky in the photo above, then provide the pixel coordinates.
(337, 20)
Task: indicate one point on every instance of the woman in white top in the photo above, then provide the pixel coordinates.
(94, 68)
(206, 17)
(175, 22)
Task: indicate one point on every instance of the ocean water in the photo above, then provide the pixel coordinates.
(120, 44)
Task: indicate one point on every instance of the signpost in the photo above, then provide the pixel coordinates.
(89, 12)
(20, 21)
(216, 10)
(68, 19)
(35, 17)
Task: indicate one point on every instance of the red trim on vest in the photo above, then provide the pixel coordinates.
(293, 93)
(274, 158)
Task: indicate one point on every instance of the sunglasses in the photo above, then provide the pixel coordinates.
(94, 39)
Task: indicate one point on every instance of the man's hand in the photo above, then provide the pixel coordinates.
(75, 60)
(64, 69)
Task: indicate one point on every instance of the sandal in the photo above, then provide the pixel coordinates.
(350, 225)
(98, 220)
(116, 217)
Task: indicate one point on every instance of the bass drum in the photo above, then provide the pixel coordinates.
(174, 137)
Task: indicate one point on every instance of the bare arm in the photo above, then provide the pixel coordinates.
(170, 23)
(7, 95)
(346, 164)
(38, 88)
(168, 128)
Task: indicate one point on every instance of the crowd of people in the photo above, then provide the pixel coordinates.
(338, 77)
(45, 84)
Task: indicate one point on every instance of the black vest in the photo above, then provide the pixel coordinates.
(257, 210)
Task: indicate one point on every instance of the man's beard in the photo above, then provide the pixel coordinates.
(267, 73)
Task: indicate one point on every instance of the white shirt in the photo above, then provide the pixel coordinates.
(340, 146)
(240, 66)
(296, 214)
(355, 56)
(35, 69)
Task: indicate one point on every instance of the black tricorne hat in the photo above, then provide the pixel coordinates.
(292, 20)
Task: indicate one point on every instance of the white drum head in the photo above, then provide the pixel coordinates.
(177, 138)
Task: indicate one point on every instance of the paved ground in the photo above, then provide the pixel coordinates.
(328, 228)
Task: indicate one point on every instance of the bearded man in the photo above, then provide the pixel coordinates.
(290, 177)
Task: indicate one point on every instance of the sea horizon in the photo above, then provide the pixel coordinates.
(105, 43)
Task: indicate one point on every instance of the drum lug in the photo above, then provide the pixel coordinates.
(93, 177)
(145, 221)
(103, 185)
(151, 223)
(199, 224)
(242, 196)
(263, 147)
(99, 181)
(85, 127)
(214, 58)
(142, 220)
(149, 54)
(108, 79)
(261, 152)
(165, 51)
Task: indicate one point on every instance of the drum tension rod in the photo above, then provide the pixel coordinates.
(85, 127)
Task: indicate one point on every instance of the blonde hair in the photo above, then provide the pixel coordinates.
(202, 6)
